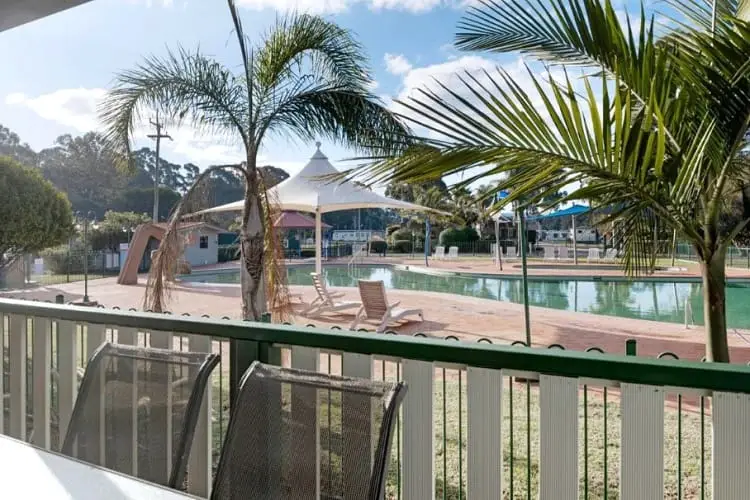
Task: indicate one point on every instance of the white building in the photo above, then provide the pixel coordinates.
(201, 242)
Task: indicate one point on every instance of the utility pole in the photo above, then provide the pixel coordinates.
(158, 136)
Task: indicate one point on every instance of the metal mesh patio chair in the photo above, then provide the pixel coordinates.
(137, 409)
(305, 435)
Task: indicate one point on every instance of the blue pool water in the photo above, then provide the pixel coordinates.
(652, 300)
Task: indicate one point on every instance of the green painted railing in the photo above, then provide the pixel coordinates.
(459, 375)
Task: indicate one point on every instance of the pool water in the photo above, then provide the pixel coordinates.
(652, 300)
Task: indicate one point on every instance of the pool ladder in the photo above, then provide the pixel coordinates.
(359, 254)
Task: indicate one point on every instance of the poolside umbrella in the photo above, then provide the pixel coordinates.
(312, 191)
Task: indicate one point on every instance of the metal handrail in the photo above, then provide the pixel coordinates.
(631, 369)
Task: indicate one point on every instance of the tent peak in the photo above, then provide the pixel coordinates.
(318, 153)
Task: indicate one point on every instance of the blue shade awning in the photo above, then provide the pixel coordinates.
(567, 212)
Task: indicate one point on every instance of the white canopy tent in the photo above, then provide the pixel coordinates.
(310, 191)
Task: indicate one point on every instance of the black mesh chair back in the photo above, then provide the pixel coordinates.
(304, 435)
(137, 409)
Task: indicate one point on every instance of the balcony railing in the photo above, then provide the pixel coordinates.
(479, 421)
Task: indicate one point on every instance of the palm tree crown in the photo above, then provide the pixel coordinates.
(651, 129)
(305, 78)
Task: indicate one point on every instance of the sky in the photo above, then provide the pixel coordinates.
(56, 69)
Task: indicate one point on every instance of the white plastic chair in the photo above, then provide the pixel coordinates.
(453, 253)
(594, 255)
(610, 255)
(375, 306)
(326, 301)
(439, 253)
(562, 253)
(550, 253)
(510, 253)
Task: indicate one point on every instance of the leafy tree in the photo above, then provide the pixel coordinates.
(141, 201)
(116, 228)
(34, 214)
(306, 77)
(10, 145)
(652, 129)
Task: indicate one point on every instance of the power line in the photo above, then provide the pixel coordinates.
(158, 136)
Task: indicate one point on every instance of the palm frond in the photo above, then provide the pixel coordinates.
(185, 87)
(353, 119)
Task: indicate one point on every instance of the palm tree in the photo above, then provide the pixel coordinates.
(650, 130)
(306, 78)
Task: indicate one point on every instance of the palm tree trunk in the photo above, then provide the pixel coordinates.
(714, 307)
(252, 239)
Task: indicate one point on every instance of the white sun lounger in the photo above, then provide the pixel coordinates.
(550, 253)
(610, 255)
(562, 253)
(510, 253)
(375, 306)
(594, 255)
(439, 253)
(453, 253)
(326, 301)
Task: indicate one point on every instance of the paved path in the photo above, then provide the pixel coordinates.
(468, 318)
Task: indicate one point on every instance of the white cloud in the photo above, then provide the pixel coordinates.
(397, 64)
(408, 5)
(337, 6)
(77, 110)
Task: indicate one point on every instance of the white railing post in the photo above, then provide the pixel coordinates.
(484, 396)
(308, 447)
(731, 445)
(200, 461)
(2, 371)
(356, 470)
(642, 436)
(41, 361)
(67, 374)
(558, 434)
(164, 340)
(18, 366)
(94, 337)
(418, 443)
(129, 336)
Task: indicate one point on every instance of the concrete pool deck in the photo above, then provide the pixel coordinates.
(468, 318)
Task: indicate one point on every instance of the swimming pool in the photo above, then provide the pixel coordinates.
(652, 300)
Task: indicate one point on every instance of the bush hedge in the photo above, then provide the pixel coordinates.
(453, 236)
(401, 246)
(378, 247)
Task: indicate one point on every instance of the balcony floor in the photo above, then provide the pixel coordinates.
(465, 317)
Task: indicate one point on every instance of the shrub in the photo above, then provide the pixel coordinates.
(378, 247)
(401, 235)
(453, 236)
(229, 252)
(391, 229)
(306, 253)
(401, 246)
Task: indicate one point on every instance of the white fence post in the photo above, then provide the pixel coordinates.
(18, 366)
(41, 358)
(731, 445)
(419, 440)
(558, 434)
(642, 436)
(200, 461)
(484, 396)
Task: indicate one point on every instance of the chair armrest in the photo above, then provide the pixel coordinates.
(395, 304)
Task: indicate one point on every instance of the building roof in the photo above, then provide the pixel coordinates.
(296, 220)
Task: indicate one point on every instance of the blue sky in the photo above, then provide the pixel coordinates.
(57, 68)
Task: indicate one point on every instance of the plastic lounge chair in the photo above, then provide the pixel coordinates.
(375, 306)
(274, 450)
(139, 405)
(610, 255)
(326, 301)
(550, 253)
(510, 253)
(453, 253)
(562, 253)
(594, 255)
(439, 253)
